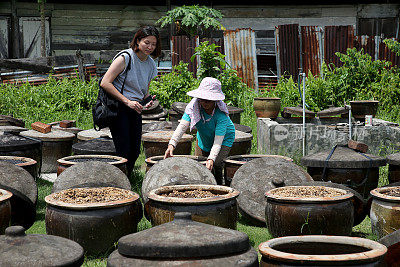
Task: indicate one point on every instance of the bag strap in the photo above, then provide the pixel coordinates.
(127, 69)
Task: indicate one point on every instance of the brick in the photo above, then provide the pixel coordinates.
(41, 127)
(67, 124)
(358, 146)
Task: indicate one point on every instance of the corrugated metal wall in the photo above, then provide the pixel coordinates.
(182, 49)
(337, 39)
(312, 39)
(287, 50)
(240, 51)
(310, 49)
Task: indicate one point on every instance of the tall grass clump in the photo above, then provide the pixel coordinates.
(65, 99)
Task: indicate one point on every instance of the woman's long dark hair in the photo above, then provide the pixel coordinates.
(144, 32)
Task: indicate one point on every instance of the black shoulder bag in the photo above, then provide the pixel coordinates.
(106, 108)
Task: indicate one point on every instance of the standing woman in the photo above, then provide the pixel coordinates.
(126, 130)
(215, 130)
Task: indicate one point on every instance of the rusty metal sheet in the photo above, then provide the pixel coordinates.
(337, 39)
(183, 49)
(386, 54)
(240, 51)
(310, 46)
(288, 50)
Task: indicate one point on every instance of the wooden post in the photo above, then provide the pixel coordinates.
(79, 59)
(15, 40)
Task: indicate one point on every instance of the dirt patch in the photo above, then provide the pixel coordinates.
(308, 192)
(393, 192)
(197, 193)
(92, 195)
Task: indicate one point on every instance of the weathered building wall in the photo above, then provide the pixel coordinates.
(286, 139)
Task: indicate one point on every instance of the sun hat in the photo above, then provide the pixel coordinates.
(209, 89)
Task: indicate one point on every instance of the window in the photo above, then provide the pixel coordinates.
(386, 27)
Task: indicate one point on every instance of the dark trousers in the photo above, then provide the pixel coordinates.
(126, 131)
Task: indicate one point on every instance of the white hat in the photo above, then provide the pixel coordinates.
(209, 89)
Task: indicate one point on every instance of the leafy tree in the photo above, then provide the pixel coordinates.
(192, 20)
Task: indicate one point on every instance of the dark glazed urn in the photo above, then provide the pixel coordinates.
(184, 242)
(95, 226)
(288, 216)
(19, 249)
(321, 250)
(220, 210)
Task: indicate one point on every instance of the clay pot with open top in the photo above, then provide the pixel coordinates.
(155, 143)
(5, 210)
(321, 250)
(360, 108)
(385, 210)
(310, 210)
(55, 145)
(183, 242)
(212, 204)
(20, 249)
(66, 162)
(343, 165)
(233, 163)
(260, 175)
(28, 164)
(20, 146)
(267, 107)
(94, 217)
(24, 193)
(242, 143)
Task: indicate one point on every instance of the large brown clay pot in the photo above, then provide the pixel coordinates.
(69, 161)
(220, 210)
(267, 107)
(360, 108)
(321, 250)
(385, 211)
(297, 215)
(155, 143)
(95, 226)
(5, 210)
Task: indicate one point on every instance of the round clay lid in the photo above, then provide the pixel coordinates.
(92, 134)
(242, 159)
(172, 171)
(242, 136)
(260, 175)
(12, 129)
(393, 159)
(342, 158)
(243, 128)
(73, 130)
(50, 136)
(159, 126)
(183, 238)
(96, 146)
(179, 107)
(10, 142)
(19, 249)
(23, 187)
(234, 110)
(91, 174)
(164, 136)
(360, 208)
(332, 111)
(154, 116)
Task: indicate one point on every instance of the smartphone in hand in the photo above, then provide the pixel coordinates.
(147, 100)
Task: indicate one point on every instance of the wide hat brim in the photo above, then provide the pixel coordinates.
(214, 96)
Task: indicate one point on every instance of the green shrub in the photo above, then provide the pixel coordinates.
(172, 87)
(56, 100)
